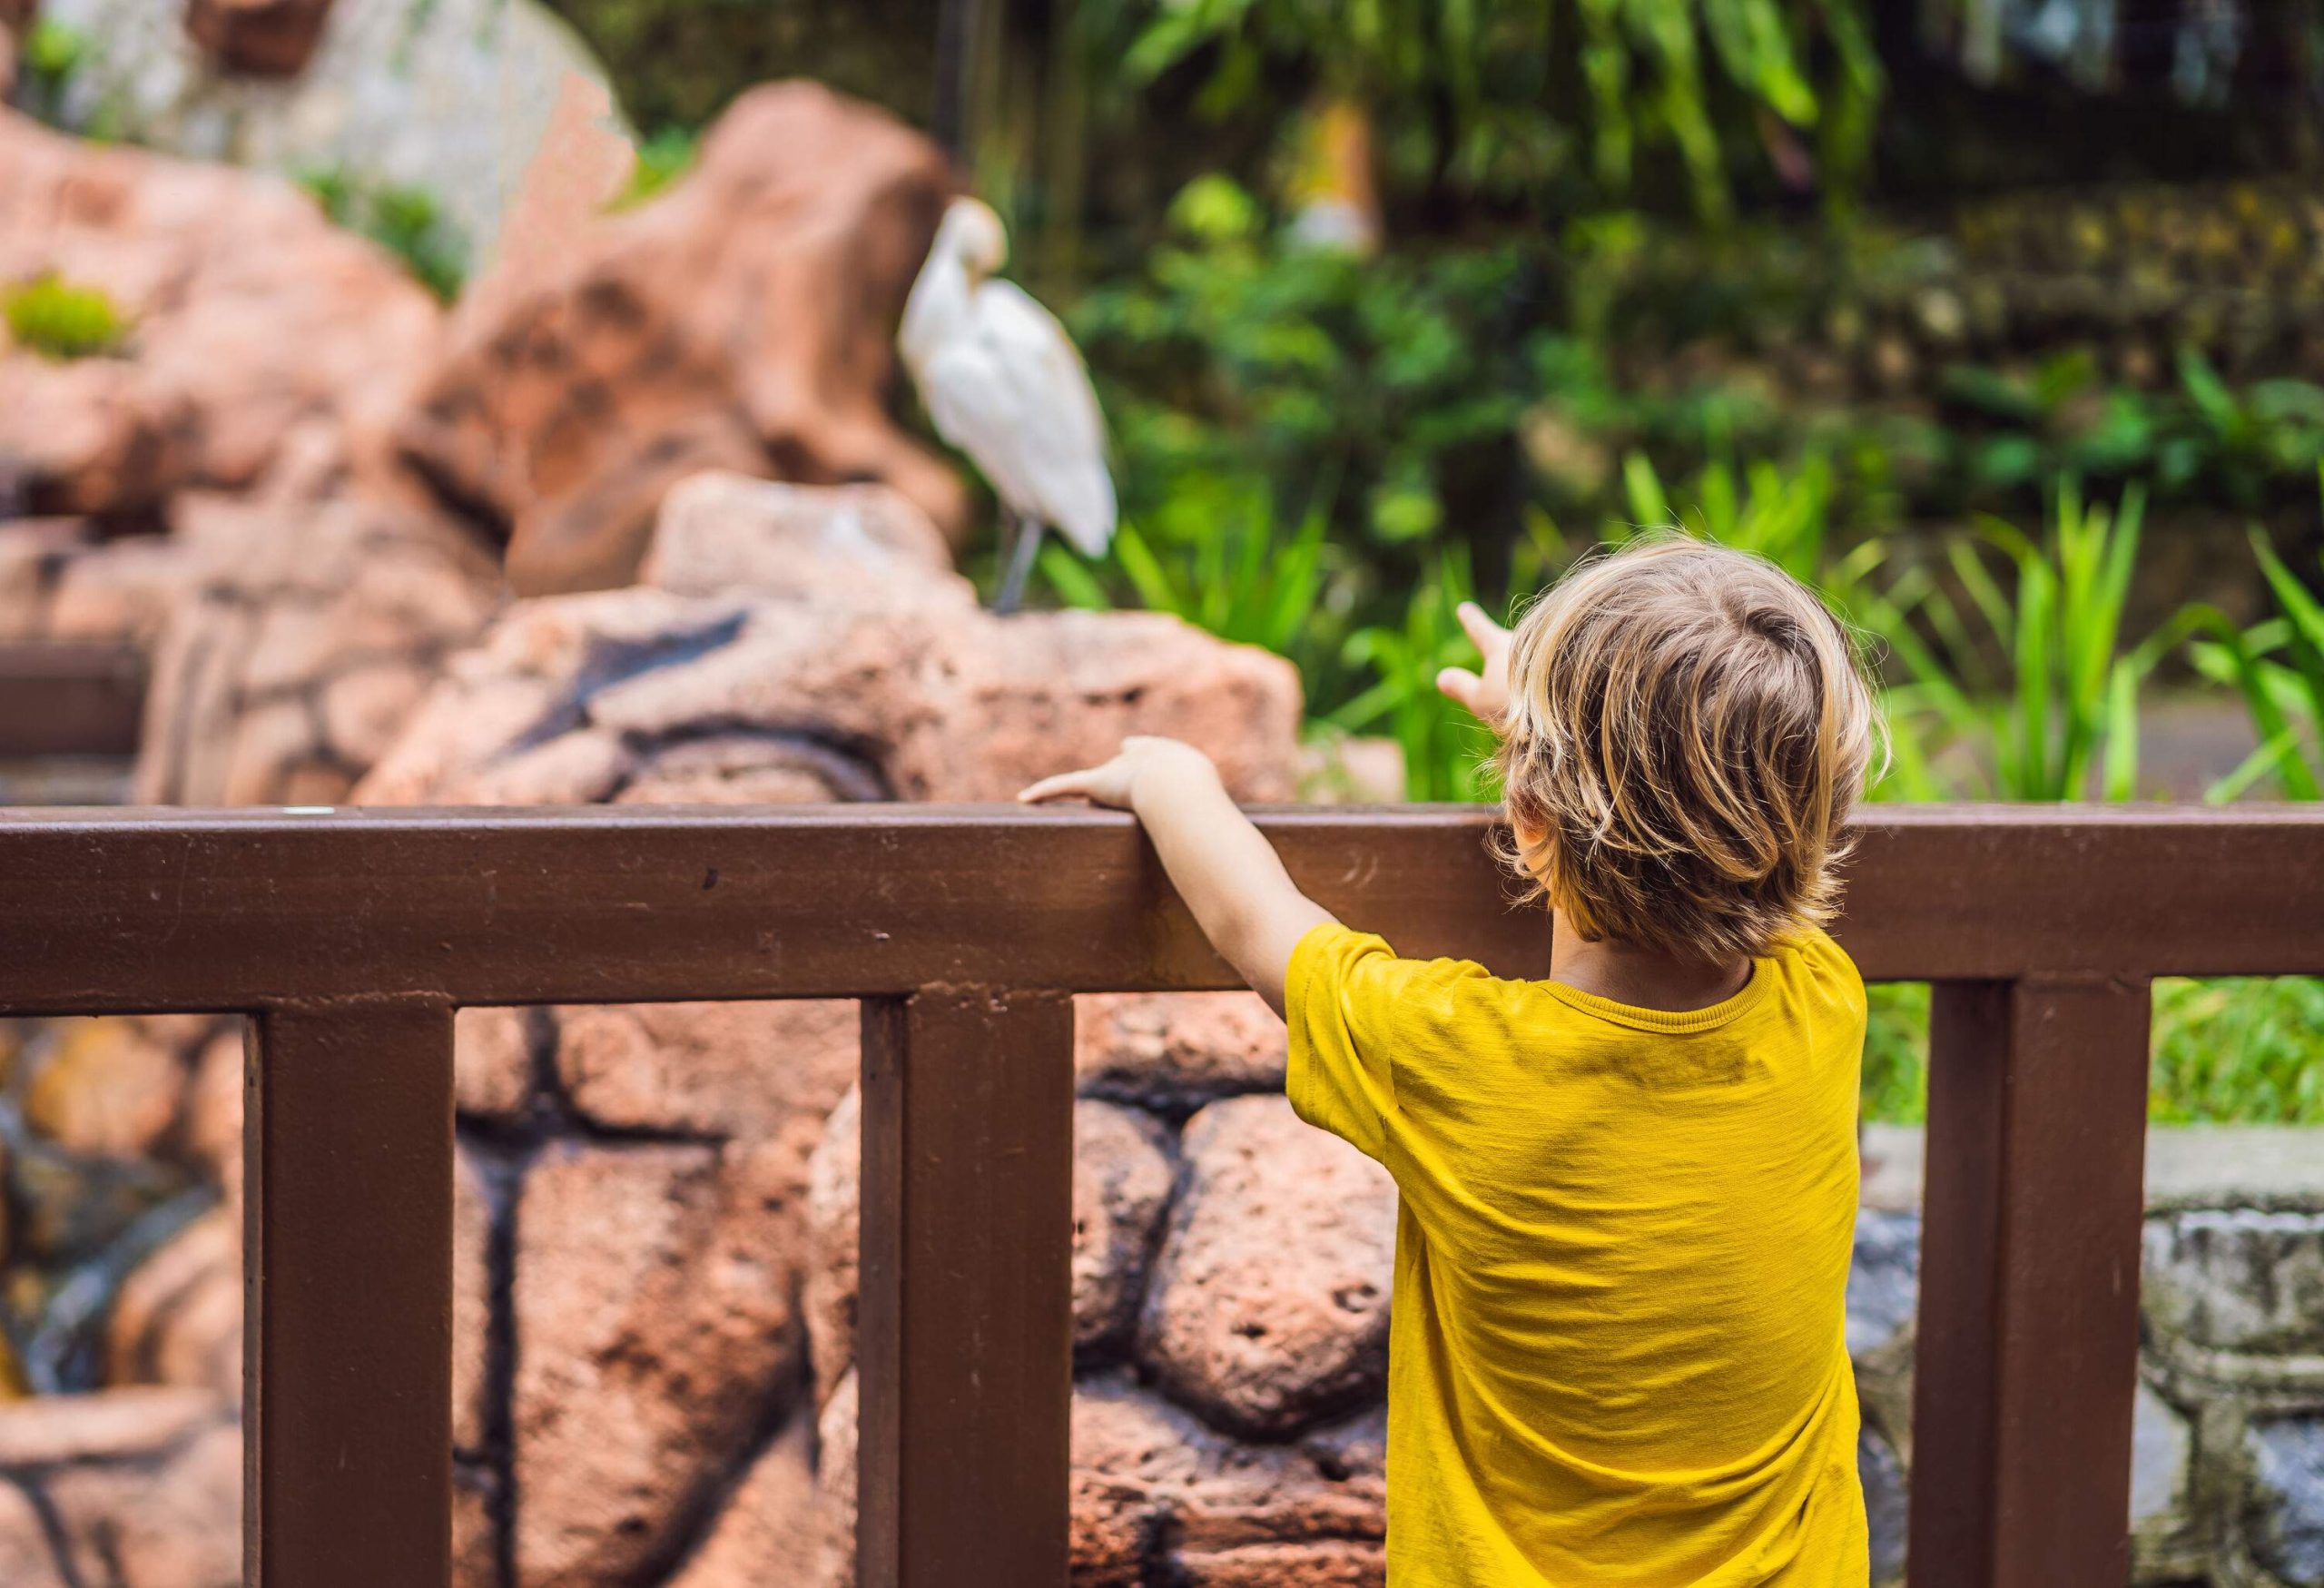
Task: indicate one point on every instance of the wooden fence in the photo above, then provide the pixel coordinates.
(351, 936)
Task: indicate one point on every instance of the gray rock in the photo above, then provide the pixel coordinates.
(1882, 1473)
(1884, 1281)
(2161, 1441)
(2288, 1521)
(2233, 1280)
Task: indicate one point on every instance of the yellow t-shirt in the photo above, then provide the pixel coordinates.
(1618, 1355)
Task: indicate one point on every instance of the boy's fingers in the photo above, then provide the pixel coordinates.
(1482, 631)
(1461, 687)
(1058, 787)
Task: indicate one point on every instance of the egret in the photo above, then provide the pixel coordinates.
(1003, 383)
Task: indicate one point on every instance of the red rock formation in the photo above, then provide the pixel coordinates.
(742, 320)
(841, 685)
(310, 631)
(258, 38)
(249, 318)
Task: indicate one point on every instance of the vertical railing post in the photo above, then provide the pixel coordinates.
(348, 1265)
(965, 1322)
(2029, 1326)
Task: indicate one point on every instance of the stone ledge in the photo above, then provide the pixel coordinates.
(2267, 1167)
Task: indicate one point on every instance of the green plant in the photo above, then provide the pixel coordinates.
(1444, 750)
(2236, 1050)
(50, 55)
(1236, 353)
(2248, 1050)
(58, 319)
(407, 221)
(2277, 667)
(1219, 559)
(1894, 1087)
(662, 160)
(1513, 98)
(2058, 719)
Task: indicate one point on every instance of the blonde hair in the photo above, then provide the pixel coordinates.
(1689, 728)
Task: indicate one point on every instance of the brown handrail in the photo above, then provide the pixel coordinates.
(351, 936)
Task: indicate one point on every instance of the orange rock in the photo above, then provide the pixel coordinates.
(107, 1086)
(214, 1115)
(492, 1061)
(1269, 1306)
(1173, 1053)
(176, 1523)
(655, 1331)
(757, 1070)
(310, 631)
(744, 321)
(471, 1302)
(178, 1319)
(770, 1532)
(575, 699)
(476, 1561)
(248, 312)
(25, 1558)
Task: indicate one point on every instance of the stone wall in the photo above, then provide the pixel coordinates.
(2228, 1480)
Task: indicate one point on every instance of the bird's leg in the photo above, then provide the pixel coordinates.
(1021, 562)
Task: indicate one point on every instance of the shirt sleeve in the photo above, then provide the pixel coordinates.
(1341, 1077)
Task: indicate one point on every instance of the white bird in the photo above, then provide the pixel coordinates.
(1003, 383)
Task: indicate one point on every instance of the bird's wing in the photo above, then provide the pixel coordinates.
(1024, 410)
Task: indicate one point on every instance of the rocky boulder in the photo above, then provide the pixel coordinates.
(843, 687)
(745, 320)
(138, 1488)
(245, 317)
(62, 580)
(310, 631)
(1248, 1289)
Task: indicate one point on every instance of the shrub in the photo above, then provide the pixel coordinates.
(407, 221)
(63, 320)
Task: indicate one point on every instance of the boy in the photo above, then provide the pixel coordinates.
(1627, 1193)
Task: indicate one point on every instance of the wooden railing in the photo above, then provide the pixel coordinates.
(351, 937)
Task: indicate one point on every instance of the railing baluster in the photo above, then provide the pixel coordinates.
(2028, 1343)
(966, 1333)
(348, 1263)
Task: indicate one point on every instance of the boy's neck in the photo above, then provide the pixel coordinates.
(1642, 978)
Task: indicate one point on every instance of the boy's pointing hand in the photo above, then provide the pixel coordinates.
(1486, 691)
(1115, 784)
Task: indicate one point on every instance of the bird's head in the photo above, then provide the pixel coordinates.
(974, 235)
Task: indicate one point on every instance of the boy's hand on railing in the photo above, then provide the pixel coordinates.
(1484, 692)
(1115, 784)
(1225, 869)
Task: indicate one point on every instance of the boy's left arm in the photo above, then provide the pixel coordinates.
(1226, 871)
